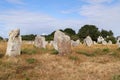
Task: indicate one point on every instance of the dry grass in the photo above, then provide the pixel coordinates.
(84, 63)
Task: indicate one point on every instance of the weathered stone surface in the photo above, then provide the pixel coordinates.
(94, 42)
(100, 39)
(110, 42)
(14, 43)
(62, 43)
(88, 41)
(118, 42)
(104, 42)
(51, 43)
(54, 44)
(75, 43)
(78, 41)
(40, 42)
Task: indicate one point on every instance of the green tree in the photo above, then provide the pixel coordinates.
(112, 38)
(1, 38)
(50, 36)
(105, 33)
(29, 37)
(110, 33)
(89, 30)
(70, 32)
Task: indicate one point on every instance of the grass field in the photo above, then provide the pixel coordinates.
(97, 62)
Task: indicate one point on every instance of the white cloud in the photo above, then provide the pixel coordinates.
(32, 22)
(105, 16)
(28, 21)
(24, 17)
(102, 15)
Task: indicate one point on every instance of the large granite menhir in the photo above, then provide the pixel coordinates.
(14, 43)
(62, 43)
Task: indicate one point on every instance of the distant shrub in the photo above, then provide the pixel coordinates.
(31, 60)
(29, 37)
(112, 38)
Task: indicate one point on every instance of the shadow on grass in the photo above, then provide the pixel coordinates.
(1, 55)
(85, 53)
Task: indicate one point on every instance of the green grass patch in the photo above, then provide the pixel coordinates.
(106, 50)
(73, 58)
(115, 54)
(43, 50)
(7, 64)
(116, 77)
(99, 51)
(27, 78)
(31, 60)
(53, 51)
(29, 51)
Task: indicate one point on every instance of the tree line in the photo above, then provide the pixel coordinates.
(86, 30)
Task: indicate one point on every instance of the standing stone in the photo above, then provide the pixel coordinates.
(88, 41)
(109, 42)
(104, 42)
(94, 42)
(78, 41)
(40, 42)
(62, 43)
(100, 39)
(51, 43)
(14, 43)
(55, 45)
(118, 42)
(75, 43)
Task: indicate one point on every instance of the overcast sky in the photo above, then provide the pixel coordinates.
(45, 16)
